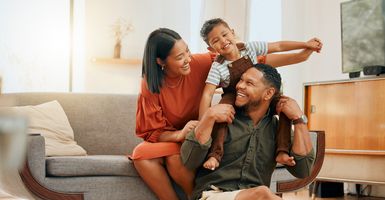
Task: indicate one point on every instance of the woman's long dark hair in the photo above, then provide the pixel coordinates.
(158, 45)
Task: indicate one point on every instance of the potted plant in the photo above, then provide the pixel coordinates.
(120, 29)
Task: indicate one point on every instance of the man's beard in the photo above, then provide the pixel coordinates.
(252, 105)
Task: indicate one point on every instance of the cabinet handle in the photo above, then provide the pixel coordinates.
(312, 109)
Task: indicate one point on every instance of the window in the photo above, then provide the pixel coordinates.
(264, 21)
(34, 45)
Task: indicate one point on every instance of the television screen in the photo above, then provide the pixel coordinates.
(363, 34)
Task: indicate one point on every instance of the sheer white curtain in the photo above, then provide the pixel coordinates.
(34, 45)
(196, 20)
(78, 47)
(264, 20)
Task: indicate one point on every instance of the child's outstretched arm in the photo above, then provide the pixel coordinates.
(278, 60)
(207, 96)
(314, 44)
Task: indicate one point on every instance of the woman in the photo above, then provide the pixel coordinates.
(168, 105)
(171, 88)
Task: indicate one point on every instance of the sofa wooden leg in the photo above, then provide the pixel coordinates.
(42, 192)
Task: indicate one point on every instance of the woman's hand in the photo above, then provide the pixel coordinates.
(186, 129)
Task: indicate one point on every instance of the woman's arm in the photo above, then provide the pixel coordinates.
(179, 135)
(278, 60)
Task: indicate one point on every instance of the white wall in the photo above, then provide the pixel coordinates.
(235, 13)
(146, 16)
(34, 45)
(258, 27)
(302, 20)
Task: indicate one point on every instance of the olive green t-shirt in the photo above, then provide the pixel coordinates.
(248, 160)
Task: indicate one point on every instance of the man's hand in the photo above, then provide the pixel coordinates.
(290, 107)
(216, 113)
(222, 113)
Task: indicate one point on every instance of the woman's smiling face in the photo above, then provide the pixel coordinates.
(177, 62)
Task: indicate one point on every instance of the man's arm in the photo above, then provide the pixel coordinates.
(197, 143)
(301, 142)
(217, 113)
(301, 149)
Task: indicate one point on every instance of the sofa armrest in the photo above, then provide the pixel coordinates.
(286, 186)
(34, 171)
(36, 156)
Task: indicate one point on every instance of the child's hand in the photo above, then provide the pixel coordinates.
(186, 129)
(314, 44)
(211, 163)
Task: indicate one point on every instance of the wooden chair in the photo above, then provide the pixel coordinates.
(296, 184)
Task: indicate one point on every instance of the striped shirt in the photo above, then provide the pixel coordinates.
(219, 74)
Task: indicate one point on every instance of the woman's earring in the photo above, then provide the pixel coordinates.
(163, 67)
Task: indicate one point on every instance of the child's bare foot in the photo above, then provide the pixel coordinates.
(284, 159)
(211, 163)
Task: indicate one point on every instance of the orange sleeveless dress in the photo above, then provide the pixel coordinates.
(169, 110)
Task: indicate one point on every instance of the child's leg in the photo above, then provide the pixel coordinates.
(283, 141)
(216, 150)
(219, 135)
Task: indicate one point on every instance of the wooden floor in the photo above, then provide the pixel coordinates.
(300, 195)
(304, 195)
(6, 196)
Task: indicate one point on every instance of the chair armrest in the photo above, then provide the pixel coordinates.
(286, 186)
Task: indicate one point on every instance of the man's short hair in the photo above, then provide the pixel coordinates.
(270, 75)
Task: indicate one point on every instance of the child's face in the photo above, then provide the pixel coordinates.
(222, 40)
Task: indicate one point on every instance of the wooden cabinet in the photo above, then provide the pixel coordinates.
(352, 113)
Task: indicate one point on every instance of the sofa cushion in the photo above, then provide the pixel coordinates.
(50, 120)
(95, 165)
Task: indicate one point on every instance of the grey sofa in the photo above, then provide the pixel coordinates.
(104, 125)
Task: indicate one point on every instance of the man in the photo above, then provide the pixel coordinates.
(249, 149)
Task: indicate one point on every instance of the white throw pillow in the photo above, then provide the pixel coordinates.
(50, 120)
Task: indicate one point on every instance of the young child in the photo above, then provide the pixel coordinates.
(234, 59)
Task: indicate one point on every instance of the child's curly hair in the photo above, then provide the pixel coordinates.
(209, 25)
